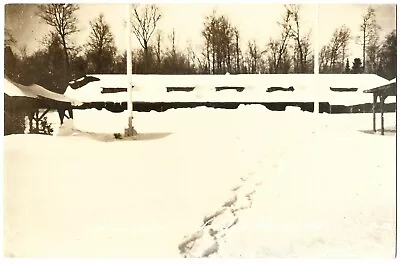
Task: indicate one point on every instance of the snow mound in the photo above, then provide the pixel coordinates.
(254, 108)
(293, 109)
(66, 129)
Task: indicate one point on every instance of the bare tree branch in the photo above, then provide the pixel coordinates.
(63, 20)
(101, 46)
(144, 22)
(369, 34)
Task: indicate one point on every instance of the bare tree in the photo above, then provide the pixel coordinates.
(172, 38)
(333, 56)
(324, 58)
(228, 48)
(308, 54)
(301, 41)
(205, 62)
(278, 48)
(100, 36)
(293, 13)
(101, 47)
(369, 34)
(372, 56)
(338, 45)
(192, 58)
(63, 20)
(237, 49)
(254, 57)
(219, 37)
(158, 49)
(144, 22)
(278, 57)
(173, 54)
(273, 51)
(209, 38)
(345, 37)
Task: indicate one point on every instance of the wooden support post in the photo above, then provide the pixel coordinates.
(374, 111)
(61, 113)
(71, 114)
(30, 117)
(37, 119)
(382, 102)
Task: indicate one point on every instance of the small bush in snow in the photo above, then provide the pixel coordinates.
(46, 127)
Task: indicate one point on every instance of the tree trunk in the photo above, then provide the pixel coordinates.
(67, 62)
(146, 61)
(99, 62)
(281, 51)
(213, 60)
(208, 57)
(374, 112)
(343, 55)
(364, 44)
(237, 55)
(301, 56)
(158, 56)
(228, 64)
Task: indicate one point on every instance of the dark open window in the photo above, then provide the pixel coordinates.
(113, 90)
(180, 89)
(277, 88)
(237, 88)
(343, 89)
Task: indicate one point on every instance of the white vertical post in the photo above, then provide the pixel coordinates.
(130, 131)
(316, 61)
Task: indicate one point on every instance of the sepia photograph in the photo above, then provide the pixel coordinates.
(200, 130)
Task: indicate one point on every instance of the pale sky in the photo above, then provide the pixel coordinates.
(255, 21)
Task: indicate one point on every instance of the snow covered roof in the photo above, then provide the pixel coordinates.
(34, 91)
(307, 88)
(389, 88)
(14, 89)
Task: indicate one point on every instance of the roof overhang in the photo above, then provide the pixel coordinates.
(34, 91)
(387, 89)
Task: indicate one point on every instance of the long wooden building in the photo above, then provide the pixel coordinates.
(334, 92)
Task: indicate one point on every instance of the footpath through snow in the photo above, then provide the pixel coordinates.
(321, 194)
(331, 195)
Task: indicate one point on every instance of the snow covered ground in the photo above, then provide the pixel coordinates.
(327, 188)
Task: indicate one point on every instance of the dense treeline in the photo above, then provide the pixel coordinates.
(379, 57)
(59, 60)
